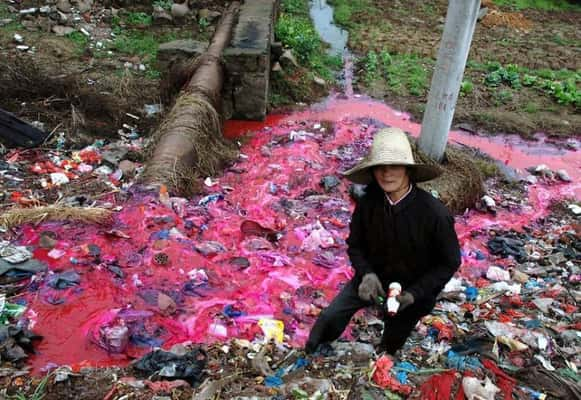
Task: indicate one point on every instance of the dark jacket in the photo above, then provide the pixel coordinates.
(413, 243)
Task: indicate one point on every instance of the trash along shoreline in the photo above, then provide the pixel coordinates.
(229, 282)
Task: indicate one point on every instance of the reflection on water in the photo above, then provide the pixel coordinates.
(322, 16)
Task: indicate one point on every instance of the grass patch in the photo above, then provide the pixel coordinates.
(295, 30)
(138, 19)
(144, 44)
(346, 11)
(548, 5)
(405, 74)
(79, 40)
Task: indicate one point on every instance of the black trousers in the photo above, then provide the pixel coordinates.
(334, 319)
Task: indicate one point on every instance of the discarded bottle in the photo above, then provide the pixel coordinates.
(392, 303)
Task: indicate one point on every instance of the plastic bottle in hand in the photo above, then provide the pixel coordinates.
(392, 303)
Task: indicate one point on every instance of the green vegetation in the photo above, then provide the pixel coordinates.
(531, 107)
(560, 85)
(404, 73)
(79, 40)
(466, 87)
(346, 10)
(295, 30)
(138, 19)
(299, 34)
(539, 4)
(165, 4)
(39, 391)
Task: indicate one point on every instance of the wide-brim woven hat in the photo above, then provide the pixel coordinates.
(391, 147)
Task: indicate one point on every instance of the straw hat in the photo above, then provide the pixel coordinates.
(391, 147)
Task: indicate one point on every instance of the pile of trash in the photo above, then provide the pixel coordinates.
(231, 281)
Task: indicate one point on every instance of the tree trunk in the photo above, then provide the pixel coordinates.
(452, 55)
(189, 142)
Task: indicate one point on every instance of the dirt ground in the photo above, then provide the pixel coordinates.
(87, 87)
(535, 39)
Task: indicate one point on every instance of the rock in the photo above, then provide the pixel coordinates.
(287, 60)
(161, 16)
(276, 67)
(179, 10)
(166, 304)
(18, 38)
(563, 175)
(84, 5)
(319, 81)
(64, 6)
(61, 30)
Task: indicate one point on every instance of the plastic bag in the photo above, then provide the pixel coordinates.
(474, 389)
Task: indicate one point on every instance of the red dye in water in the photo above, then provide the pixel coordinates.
(222, 281)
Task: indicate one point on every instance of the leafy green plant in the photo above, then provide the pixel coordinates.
(298, 7)
(203, 23)
(531, 108)
(503, 96)
(138, 19)
(466, 87)
(498, 75)
(79, 40)
(39, 391)
(539, 4)
(165, 4)
(371, 66)
(299, 34)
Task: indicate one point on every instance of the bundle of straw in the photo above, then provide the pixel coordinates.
(18, 216)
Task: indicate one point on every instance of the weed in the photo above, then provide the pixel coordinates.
(405, 73)
(371, 66)
(203, 23)
(466, 87)
(503, 97)
(531, 108)
(346, 11)
(165, 4)
(297, 7)
(298, 33)
(79, 40)
(38, 393)
(539, 4)
(138, 19)
(499, 75)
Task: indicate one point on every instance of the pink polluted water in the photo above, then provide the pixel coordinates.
(223, 281)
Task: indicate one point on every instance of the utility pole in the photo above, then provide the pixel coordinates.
(458, 30)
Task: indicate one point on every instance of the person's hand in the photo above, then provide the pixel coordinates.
(405, 299)
(370, 288)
